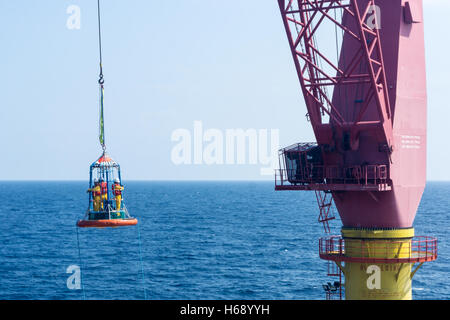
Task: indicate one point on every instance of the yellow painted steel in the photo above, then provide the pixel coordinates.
(378, 281)
(362, 233)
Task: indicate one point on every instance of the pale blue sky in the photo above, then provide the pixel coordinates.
(166, 64)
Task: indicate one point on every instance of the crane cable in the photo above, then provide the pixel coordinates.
(101, 81)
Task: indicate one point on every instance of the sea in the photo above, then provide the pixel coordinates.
(194, 240)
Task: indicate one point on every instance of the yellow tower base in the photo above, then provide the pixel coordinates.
(378, 263)
(378, 281)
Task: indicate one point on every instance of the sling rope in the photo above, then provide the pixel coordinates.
(142, 263)
(140, 260)
(81, 265)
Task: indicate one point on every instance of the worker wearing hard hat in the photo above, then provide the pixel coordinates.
(117, 189)
(96, 195)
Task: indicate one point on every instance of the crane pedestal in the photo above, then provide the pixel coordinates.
(378, 264)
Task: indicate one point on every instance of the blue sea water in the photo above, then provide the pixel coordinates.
(200, 240)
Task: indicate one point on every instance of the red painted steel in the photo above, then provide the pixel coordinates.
(366, 102)
(325, 202)
(364, 47)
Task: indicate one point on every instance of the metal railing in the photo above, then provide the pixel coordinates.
(418, 249)
(321, 174)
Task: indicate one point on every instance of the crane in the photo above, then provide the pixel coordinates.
(365, 94)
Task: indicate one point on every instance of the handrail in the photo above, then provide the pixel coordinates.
(333, 174)
(418, 249)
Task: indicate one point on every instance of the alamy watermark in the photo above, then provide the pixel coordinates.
(374, 17)
(226, 147)
(74, 280)
(73, 22)
(374, 280)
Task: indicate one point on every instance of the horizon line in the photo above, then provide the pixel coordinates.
(164, 180)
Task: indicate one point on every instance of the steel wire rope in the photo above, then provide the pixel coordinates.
(80, 261)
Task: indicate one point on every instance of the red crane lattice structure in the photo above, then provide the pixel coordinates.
(302, 19)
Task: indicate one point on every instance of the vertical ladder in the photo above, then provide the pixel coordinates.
(325, 202)
(334, 291)
(326, 214)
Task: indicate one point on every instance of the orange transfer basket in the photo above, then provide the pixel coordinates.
(105, 223)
